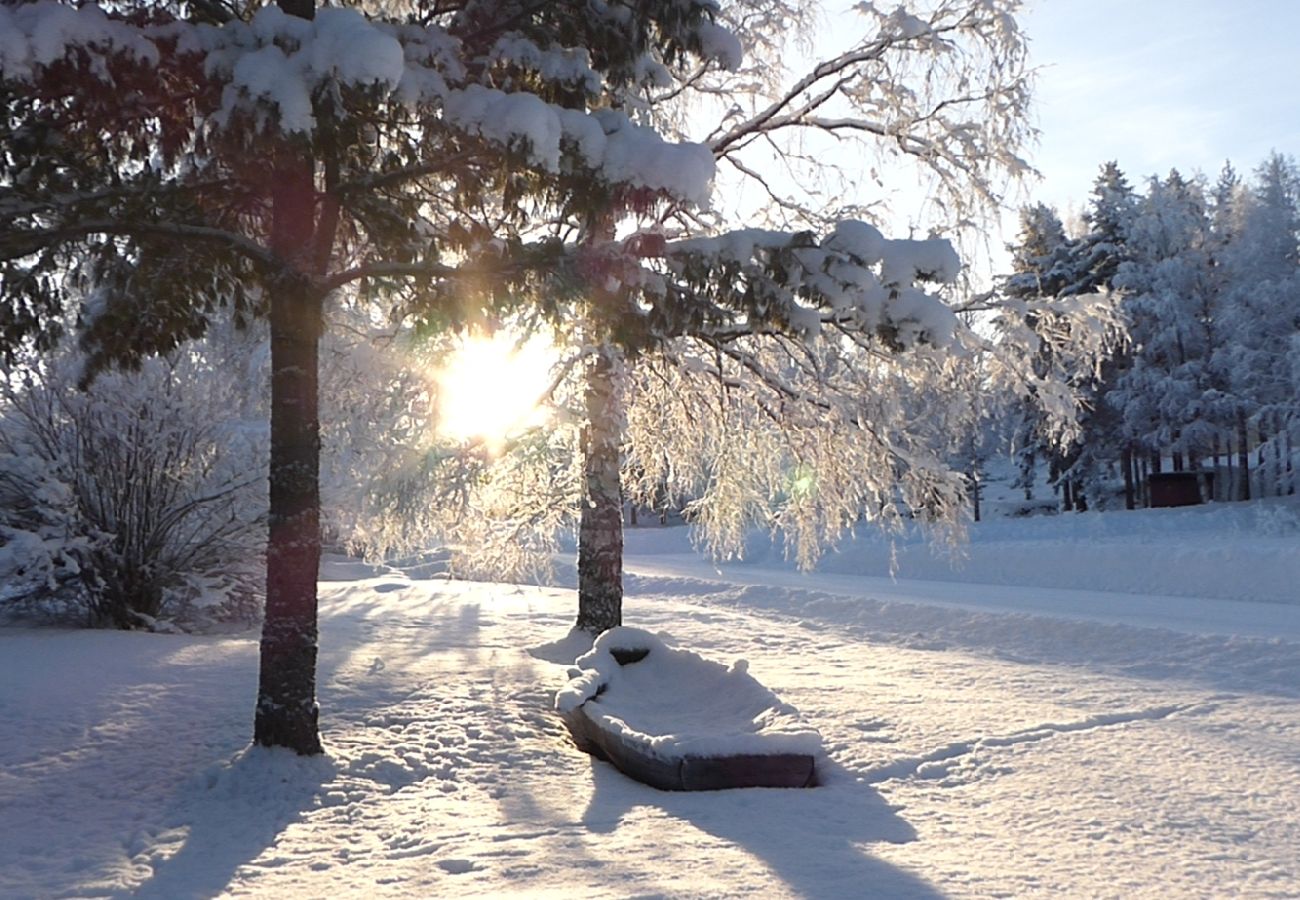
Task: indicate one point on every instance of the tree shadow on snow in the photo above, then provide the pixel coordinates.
(809, 838)
(228, 816)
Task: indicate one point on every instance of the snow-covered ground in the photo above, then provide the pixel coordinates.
(996, 731)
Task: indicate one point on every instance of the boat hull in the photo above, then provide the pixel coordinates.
(688, 773)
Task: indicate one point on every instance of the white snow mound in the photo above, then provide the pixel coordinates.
(676, 704)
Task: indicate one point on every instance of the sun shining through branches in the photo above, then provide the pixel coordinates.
(491, 386)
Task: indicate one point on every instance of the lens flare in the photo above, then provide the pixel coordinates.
(491, 387)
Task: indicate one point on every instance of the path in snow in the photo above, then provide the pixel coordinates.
(1195, 615)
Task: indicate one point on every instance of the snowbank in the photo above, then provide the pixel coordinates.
(1222, 551)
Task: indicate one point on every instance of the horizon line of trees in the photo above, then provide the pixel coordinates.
(1206, 276)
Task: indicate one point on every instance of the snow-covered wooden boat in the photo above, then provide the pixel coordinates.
(678, 722)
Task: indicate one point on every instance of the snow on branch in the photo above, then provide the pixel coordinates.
(793, 283)
(273, 71)
(35, 35)
(942, 84)
(606, 141)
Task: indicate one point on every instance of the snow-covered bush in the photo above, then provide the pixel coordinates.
(138, 502)
(42, 542)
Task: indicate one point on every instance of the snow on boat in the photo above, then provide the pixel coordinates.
(678, 722)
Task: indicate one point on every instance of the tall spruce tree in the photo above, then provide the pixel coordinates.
(1042, 268)
(1221, 407)
(1261, 316)
(1167, 300)
(1099, 252)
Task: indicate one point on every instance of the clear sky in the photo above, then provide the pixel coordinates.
(1151, 84)
(1155, 84)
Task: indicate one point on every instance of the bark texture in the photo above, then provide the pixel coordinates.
(600, 529)
(287, 714)
(1126, 464)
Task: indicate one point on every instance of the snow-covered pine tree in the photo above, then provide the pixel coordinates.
(1109, 216)
(1041, 269)
(1224, 206)
(1261, 296)
(304, 151)
(1166, 289)
(1099, 252)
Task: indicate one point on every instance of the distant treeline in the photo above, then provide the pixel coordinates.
(1208, 279)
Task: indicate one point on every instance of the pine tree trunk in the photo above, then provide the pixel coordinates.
(1230, 459)
(1279, 475)
(600, 529)
(1126, 463)
(1290, 455)
(287, 714)
(1216, 487)
(1243, 457)
(1261, 470)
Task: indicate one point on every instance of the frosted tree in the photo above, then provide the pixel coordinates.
(1099, 252)
(1058, 315)
(1169, 304)
(1042, 268)
(1261, 294)
(304, 151)
(1109, 217)
(139, 502)
(1224, 211)
(942, 87)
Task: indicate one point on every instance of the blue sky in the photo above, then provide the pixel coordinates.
(1156, 84)
(1152, 84)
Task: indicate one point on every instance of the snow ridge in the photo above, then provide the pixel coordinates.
(923, 766)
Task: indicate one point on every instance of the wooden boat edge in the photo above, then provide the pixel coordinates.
(690, 773)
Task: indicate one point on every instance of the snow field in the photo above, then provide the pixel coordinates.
(972, 753)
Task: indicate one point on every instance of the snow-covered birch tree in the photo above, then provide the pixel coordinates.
(761, 318)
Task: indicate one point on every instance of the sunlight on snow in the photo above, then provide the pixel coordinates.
(491, 387)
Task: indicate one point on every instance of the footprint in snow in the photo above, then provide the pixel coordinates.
(456, 866)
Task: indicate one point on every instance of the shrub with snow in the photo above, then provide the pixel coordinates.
(136, 503)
